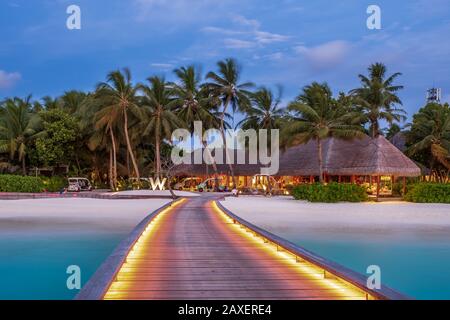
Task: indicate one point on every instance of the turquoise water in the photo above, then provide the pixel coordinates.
(416, 265)
(33, 265)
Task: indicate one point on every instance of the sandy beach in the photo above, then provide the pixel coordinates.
(74, 215)
(284, 214)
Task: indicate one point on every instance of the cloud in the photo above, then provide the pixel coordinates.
(238, 44)
(246, 34)
(325, 55)
(8, 80)
(162, 66)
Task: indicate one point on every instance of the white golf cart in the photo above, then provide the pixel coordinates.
(79, 184)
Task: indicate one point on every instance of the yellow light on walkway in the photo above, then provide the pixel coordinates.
(303, 267)
(138, 251)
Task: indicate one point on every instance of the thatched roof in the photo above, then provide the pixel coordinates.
(364, 156)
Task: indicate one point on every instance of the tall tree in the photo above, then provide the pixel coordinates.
(225, 85)
(377, 98)
(193, 103)
(316, 115)
(18, 127)
(105, 121)
(265, 111)
(430, 134)
(55, 145)
(119, 95)
(72, 101)
(160, 120)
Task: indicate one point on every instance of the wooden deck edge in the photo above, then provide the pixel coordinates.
(344, 274)
(99, 283)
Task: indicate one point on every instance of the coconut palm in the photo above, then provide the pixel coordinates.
(377, 97)
(225, 85)
(72, 101)
(119, 97)
(431, 133)
(194, 104)
(18, 127)
(265, 111)
(160, 119)
(99, 125)
(317, 116)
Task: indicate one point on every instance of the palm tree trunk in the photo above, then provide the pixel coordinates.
(158, 156)
(222, 130)
(127, 138)
(111, 177)
(114, 152)
(319, 150)
(375, 129)
(214, 165)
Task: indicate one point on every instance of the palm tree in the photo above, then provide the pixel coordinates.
(99, 126)
(160, 120)
(317, 116)
(225, 86)
(194, 104)
(376, 98)
(18, 127)
(264, 112)
(119, 96)
(50, 103)
(71, 101)
(431, 132)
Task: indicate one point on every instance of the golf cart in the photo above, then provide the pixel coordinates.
(79, 184)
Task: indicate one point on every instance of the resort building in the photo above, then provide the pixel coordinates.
(373, 162)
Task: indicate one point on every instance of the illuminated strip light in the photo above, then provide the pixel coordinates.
(138, 250)
(313, 271)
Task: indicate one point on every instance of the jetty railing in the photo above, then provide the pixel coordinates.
(330, 269)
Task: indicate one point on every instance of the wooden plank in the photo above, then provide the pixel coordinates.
(193, 253)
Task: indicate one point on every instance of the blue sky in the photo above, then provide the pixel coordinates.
(284, 42)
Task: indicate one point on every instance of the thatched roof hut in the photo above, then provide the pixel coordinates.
(357, 157)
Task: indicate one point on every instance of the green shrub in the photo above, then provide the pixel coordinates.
(11, 183)
(429, 193)
(333, 192)
(54, 184)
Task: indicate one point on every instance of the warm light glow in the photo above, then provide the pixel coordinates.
(305, 268)
(129, 270)
(138, 250)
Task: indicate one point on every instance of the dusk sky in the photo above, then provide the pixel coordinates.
(284, 42)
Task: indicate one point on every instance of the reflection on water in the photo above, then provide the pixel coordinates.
(414, 261)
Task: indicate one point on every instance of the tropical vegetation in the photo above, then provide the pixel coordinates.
(122, 128)
(429, 193)
(330, 193)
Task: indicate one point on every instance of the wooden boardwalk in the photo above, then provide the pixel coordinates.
(193, 251)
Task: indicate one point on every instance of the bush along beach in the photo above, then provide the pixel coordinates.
(429, 193)
(12, 183)
(333, 192)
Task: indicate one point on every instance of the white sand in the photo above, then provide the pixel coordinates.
(75, 214)
(158, 193)
(286, 215)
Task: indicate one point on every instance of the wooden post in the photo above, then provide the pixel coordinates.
(339, 179)
(311, 179)
(352, 179)
(378, 187)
